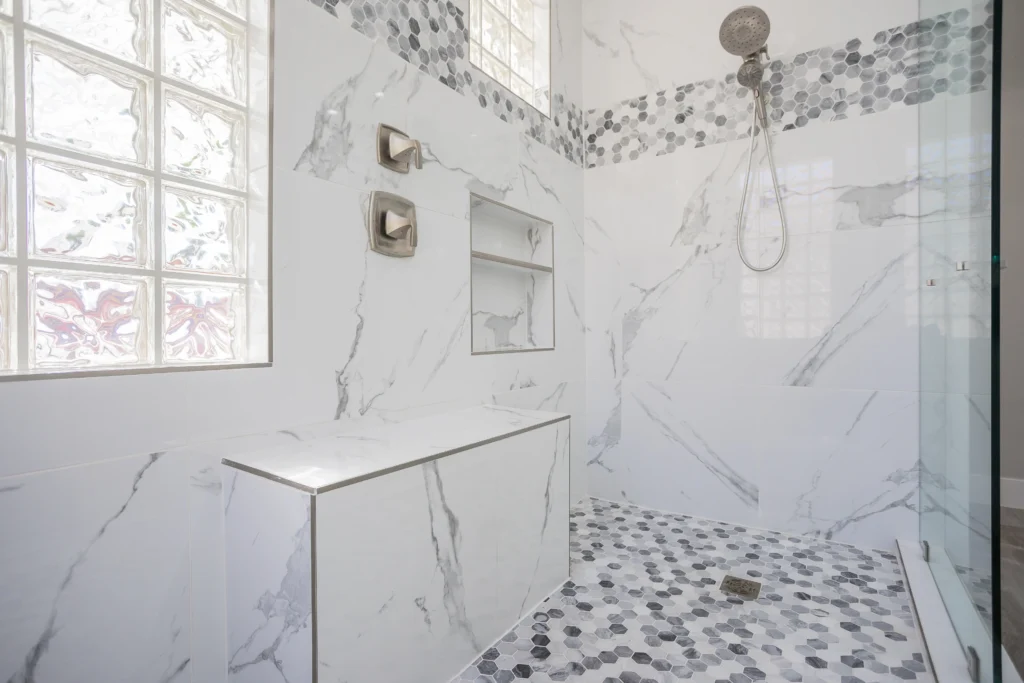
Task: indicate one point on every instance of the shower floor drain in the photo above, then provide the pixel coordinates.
(744, 588)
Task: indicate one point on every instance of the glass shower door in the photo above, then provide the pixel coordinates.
(958, 259)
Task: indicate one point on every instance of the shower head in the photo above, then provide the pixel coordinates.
(750, 74)
(745, 30)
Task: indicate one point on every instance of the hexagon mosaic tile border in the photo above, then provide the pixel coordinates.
(644, 606)
(901, 66)
(432, 36)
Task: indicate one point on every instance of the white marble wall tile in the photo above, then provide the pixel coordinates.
(565, 397)
(86, 552)
(443, 568)
(208, 579)
(268, 546)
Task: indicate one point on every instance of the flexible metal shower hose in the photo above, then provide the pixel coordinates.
(760, 114)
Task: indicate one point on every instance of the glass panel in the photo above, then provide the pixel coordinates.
(6, 79)
(474, 53)
(522, 88)
(495, 69)
(83, 213)
(237, 7)
(203, 232)
(118, 27)
(495, 33)
(7, 232)
(522, 15)
(203, 323)
(522, 56)
(5, 6)
(958, 248)
(204, 50)
(83, 320)
(203, 140)
(475, 8)
(78, 103)
(501, 5)
(7, 316)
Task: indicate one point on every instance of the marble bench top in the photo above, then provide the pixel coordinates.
(323, 457)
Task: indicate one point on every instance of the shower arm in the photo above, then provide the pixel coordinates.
(760, 114)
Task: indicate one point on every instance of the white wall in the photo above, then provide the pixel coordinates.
(116, 534)
(787, 400)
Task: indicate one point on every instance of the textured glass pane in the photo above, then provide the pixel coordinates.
(495, 33)
(6, 78)
(7, 359)
(202, 323)
(86, 320)
(493, 68)
(522, 15)
(204, 50)
(203, 232)
(82, 213)
(119, 27)
(76, 102)
(522, 88)
(5, 6)
(522, 56)
(203, 140)
(7, 232)
(237, 7)
(475, 7)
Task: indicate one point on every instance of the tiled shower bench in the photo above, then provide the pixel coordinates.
(394, 553)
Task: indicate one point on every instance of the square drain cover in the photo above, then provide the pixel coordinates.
(744, 588)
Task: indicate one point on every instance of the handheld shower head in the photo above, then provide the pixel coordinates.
(745, 30)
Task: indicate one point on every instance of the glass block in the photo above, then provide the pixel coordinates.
(237, 7)
(117, 27)
(493, 68)
(8, 358)
(522, 56)
(522, 15)
(5, 7)
(522, 88)
(494, 34)
(6, 78)
(77, 102)
(203, 322)
(474, 53)
(203, 140)
(7, 195)
(500, 5)
(203, 232)
(204, 50)
(85, 213)
(475, 8)
(84, 320)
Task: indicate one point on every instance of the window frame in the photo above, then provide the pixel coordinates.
(20, 262)
(474, 39)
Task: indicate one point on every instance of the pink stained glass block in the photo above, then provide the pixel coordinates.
(203, 323)
(83, 320)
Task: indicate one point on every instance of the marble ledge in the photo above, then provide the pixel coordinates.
(328, 456)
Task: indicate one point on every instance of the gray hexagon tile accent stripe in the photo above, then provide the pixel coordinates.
(644, 605)
(901, 66)
(432, 35)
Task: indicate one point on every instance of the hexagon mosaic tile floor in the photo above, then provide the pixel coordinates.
(644, 605)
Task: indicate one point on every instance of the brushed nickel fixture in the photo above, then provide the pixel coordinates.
(744, 33)
(396, 150)
(391, 224)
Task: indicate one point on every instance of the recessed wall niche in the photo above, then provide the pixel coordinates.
(513, 279)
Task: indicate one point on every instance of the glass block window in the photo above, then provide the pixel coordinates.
(510, 41)
(134, 184)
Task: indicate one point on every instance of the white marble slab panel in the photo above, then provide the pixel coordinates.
(95, 573)
(269, 571)
(439, 568)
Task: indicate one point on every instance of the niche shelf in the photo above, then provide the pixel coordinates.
(513, 279)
